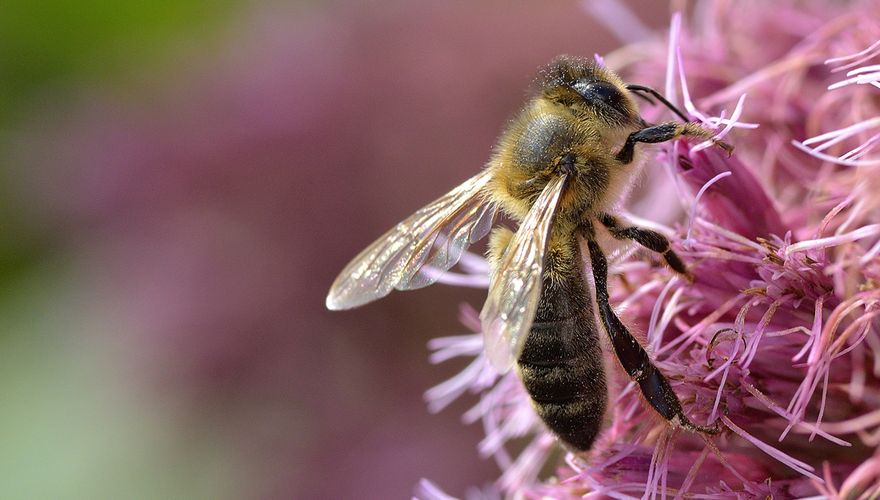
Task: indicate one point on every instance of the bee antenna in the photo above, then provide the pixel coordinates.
(659, 96)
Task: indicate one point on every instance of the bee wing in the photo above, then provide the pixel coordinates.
(515, 287)
(436, 236)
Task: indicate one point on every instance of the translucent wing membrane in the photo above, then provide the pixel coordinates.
(434, 236)
(515, 289)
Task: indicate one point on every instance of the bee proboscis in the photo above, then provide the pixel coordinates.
(559, 169)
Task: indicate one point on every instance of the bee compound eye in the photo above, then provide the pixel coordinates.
(598, 91)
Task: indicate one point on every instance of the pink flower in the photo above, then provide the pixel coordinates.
(778, 338)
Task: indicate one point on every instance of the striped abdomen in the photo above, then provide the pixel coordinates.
(561, 364)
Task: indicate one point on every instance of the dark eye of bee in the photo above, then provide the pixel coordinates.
(595, 92)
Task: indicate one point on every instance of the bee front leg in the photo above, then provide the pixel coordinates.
(652, 240)
(665, 132)
(632, 355)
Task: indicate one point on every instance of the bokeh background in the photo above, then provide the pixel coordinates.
(180, 182)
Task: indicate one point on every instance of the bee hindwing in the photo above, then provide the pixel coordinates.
(516, 281)
(434, 236)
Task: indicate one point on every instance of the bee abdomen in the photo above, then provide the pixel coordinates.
(562, 370)
(553, 383)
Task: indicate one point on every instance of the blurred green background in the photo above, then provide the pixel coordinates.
(46, 48)
(71, 424)
(179, 184)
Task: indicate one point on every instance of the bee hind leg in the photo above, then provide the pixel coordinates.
(652, 240)
(632, 355)
(499, 239)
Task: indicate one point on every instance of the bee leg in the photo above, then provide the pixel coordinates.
(652, 240)
(499, 239)
(632, 355)
(665, 132)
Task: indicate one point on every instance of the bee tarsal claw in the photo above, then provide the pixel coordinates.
(725, 146)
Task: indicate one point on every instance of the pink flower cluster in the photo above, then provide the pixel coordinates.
(778, 338)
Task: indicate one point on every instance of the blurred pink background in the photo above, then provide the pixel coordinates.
(177, 216)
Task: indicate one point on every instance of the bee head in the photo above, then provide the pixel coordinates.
(591, 91)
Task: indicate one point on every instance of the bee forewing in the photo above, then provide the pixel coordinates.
(515, 287)
(435, 236)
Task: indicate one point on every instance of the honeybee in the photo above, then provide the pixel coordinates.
(559, 170)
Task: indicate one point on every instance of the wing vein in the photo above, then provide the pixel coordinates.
(397, 257)
(515, 286)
